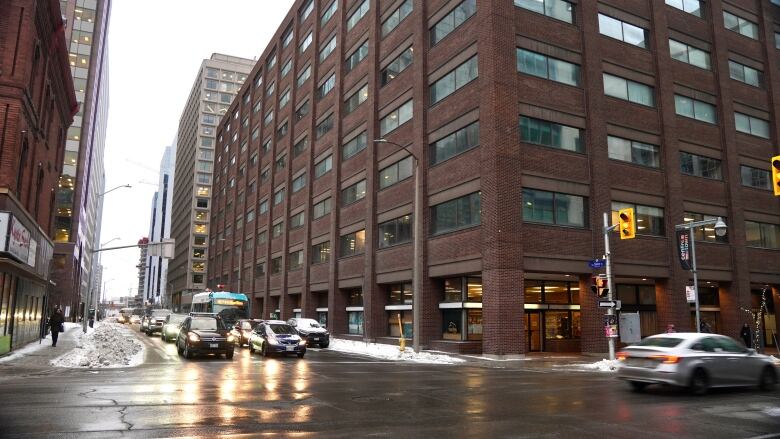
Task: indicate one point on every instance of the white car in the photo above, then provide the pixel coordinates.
(311, 331)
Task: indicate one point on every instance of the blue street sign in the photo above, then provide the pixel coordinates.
(597, 263)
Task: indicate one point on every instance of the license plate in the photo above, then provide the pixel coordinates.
(289, 348)
(213, 345)
(316, 339)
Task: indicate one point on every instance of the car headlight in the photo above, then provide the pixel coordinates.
(193, 336)
(302, 342)
(231, 338)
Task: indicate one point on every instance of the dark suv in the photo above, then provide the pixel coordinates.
(154, 321)
(202, 333)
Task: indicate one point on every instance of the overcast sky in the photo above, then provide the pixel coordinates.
(155, 51)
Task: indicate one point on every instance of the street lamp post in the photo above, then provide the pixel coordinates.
(720, 230)
(101, 298)
(418, 246)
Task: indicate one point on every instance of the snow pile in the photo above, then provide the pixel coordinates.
(603, 365)
(389, 352)
(28, 349)
(108, 345)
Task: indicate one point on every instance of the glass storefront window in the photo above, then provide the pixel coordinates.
(646, 294)
(322, 317)
(556, 292)
(355, 325)
(452, 324)
(533, 291)
(474, 330)
(560, 325)
(474, 289)
(627, 294)
(400, 294)
(708, 296)
(453, 289)
(406, 323)
(355, 297)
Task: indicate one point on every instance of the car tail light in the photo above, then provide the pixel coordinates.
(621, 356)
(666, 359)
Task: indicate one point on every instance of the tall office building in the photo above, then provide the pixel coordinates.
(157, 290)
(78, 200)
(526, 121)
(212, 92)
(37, 104)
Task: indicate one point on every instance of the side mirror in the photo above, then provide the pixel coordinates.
(751, 351)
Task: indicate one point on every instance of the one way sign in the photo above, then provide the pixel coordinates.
(609, 304)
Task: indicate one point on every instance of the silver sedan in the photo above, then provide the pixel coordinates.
(696, 361)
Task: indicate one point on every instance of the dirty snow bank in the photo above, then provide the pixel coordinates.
(602, 366)
(108, 345)
(389, 352)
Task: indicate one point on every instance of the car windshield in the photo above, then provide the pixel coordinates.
(249, 325)
(279, 328)
(206, 324)
(308, 323)
(175, 319)
(161, 313)
(661, 342)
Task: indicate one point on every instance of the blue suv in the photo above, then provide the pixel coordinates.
(276, 337)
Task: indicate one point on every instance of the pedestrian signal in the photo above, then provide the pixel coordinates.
(776, 175)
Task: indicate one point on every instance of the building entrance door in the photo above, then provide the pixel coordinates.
(533, 331)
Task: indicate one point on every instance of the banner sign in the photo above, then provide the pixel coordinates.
(19, 240)
(5, 218)
(684, 248)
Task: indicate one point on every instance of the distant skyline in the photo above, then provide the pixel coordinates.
(155, 51)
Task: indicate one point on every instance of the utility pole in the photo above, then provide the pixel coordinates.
(610, 281)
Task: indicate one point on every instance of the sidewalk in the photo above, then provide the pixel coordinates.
(35, 355)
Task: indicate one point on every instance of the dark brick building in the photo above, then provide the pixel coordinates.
(37, 104)
(530, 118)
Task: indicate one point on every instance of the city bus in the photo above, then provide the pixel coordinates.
(230, 306)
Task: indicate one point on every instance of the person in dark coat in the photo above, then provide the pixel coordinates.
(746, 335)
(56, 320)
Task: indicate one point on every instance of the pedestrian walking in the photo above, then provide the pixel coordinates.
(747, 335)
(670, 328)
(56, 324)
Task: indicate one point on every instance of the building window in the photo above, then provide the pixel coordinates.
(250, 216)
(693, 7)
(543, 66)
(281, 162)
(398, 65)
(302, 110)
(640, 299)
(284, 99)
(356, 57)
(276, 265)
(700, 166)
(262, 207)
(326, 86)
(699, 110)
(357, 15)
(320, 253)
(762, 235)
(456, 143)
(353, 193)
(299, 183)
(395, 232)
(296, 260)
(321, 209)
(266, 146)
(557, 9)
(456, 214)
(328, 48)
(355, 322)
(202, 203)
(396, 118)
(354, 146)
(287, 36)
(634, 152)
(453, 20)
(554, 208)
(323, 166)
(454, 80)
(628, 33)
(305, 43)
(396, 172)
(628, 90)
(649, 219)
(270, 89)
(258, 106)
(269, 117)
(324, 126)
(261, 237)
(689, 54)
(356, 99)
(306, 10)
(300, 147)
(755, 178)
(303, 76)
(256, 134)
(328, 13)
(707, 233)
(740, 25)
(553, 135)
(352, 243)
(278, 196)
(777, 40)
(259, 269)
(751, 125)
(742, 73)
(277, 229)
(396, 17)
(265, 175)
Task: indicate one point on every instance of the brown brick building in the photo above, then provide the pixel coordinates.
(530, 118)
(37, 104)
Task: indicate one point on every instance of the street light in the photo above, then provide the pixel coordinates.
(418, 246)
(720, 230)
(113, 189)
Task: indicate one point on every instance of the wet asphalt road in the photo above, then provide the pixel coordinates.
(329, 394)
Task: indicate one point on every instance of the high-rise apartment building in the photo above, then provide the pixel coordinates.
(157, 290)
(37, 104)
(526, 120)
(212, 92)
(142, 269)
(78, 201)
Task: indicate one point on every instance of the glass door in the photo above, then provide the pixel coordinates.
(533, 330)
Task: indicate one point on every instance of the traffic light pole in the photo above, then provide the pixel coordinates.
(611, 291)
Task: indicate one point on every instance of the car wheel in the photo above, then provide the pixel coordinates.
(637, 386)
(301, 355)
(187, 353)
(229, 355)
(251, 348)
(700, 382)
(264, 351)
(324, 345)
(148, 333)
(768, 379)
(178, 348)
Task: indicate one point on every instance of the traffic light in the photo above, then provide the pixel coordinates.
(776, 174)
(626, 223)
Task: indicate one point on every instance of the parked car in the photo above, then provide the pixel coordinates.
(204, 333)
(170, 329)
(276, 337)
(243, 329)
(697, 361)
(153, 321)
(312, 331)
